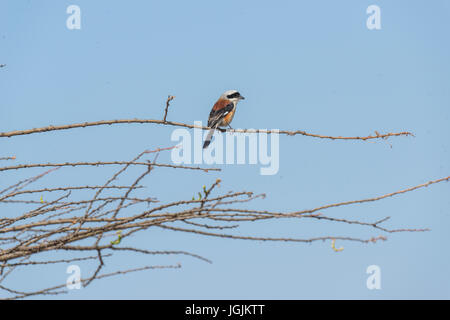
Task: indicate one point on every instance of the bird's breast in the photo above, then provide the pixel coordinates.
(229, 117)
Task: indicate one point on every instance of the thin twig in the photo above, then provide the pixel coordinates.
(169, 98)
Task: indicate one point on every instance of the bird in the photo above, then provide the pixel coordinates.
(222, 113)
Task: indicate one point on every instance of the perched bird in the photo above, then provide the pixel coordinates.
(222, 113)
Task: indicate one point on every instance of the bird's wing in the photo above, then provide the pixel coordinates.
(219, 111)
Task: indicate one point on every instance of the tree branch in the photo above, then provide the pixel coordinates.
(377, 135)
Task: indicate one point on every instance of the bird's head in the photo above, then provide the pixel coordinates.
(232, 95)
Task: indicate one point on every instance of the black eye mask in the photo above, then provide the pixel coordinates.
(234, 95)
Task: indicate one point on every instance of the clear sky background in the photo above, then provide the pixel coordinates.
(309, 65)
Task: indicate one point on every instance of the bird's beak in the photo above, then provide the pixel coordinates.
(241, 98)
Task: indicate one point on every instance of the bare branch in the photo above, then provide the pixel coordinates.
(102, 163)
(178, 124)
(169, 98)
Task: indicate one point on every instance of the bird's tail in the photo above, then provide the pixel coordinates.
(208, 138)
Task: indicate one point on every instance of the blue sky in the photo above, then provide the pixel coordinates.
(309, 65)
